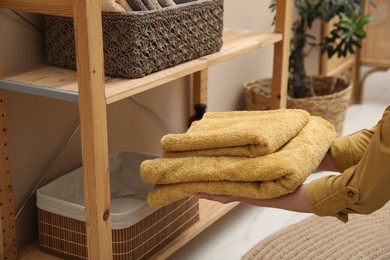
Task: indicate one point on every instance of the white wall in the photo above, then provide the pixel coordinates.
(38, 127)
(227, 79)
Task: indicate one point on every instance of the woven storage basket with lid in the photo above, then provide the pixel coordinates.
(138, 230)
(329, 98)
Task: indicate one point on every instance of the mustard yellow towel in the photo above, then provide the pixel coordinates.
(262, 177)
(236, 133)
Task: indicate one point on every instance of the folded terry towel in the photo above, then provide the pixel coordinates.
(151, 4)
(113, 6)
(166, 3)
(125, 5)
(137, 5)
(262, 177)
(237, 133)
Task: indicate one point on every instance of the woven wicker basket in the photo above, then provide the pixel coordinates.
(330, 98)
(138, 231)
(139, 43)
(66, 237)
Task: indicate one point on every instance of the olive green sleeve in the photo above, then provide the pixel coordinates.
(347, 151)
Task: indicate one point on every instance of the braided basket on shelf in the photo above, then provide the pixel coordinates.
(137, 44)
(329, 98)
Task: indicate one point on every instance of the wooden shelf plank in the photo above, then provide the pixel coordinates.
(62, 81)
(53, 7)
(209, 212)
(32, 252)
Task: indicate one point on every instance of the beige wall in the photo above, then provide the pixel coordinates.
(39, 127)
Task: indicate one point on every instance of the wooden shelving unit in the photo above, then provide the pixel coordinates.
(94, 92)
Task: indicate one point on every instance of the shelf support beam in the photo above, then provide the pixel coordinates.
(281, 54)
(93, 121)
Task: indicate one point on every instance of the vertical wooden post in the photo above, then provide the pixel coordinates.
(8, 248)
(354, 75)
(90, 72)
(200, 86)
(1, 229)
(281, 54)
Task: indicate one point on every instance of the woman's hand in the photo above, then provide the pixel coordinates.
(219, 198)
(295, 201)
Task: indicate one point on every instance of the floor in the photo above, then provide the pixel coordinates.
(243, 227)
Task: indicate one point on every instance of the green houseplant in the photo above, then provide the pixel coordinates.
(343, 39)
(317, 94)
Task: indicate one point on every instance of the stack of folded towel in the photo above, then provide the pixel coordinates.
(134, 5)
(255, 154)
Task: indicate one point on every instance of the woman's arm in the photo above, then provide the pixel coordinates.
(327, 164)
(295, 201)
(363, 159)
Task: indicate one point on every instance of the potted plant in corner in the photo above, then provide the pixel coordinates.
(327, 97)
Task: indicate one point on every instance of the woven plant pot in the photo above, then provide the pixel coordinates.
(329, 98)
